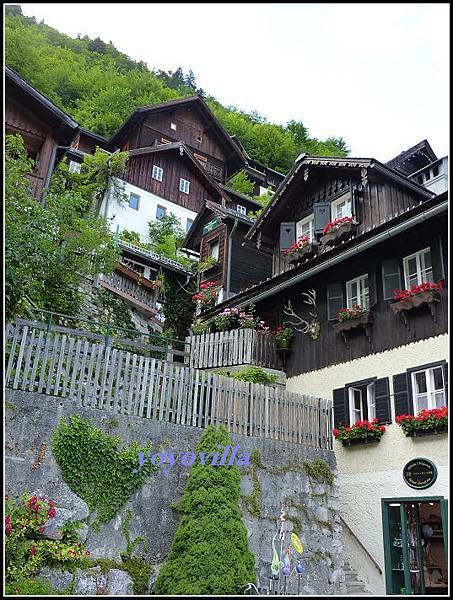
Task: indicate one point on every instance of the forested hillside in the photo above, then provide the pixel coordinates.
(100, 87)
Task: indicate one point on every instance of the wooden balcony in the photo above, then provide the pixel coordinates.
(132, 287)
(229, 348)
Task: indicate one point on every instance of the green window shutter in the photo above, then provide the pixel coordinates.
(391, 277)
(287, 235)
(335, 300)
(402, 395)
(321, 213)
(382, 400)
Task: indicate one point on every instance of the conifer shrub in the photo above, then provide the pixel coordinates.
(209, 553)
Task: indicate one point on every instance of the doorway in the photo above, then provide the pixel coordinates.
(415, 545)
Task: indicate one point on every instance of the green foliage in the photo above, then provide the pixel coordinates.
(252, 374)
(137, 568)
(51, 248)
(114, 310)
(133, 238)
(26, 586)
(95, 469)
(166, 238)
(241, 182)
(26, 548)
(209, 553)
(199, 326)
(210, 261)
(178, 308)
(100, 87)
(319, 470)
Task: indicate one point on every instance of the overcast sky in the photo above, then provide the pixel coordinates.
(375, 74)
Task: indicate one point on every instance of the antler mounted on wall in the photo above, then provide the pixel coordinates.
(312, 327)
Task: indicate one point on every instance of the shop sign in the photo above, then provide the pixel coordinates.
(210, 226)
(420, 473)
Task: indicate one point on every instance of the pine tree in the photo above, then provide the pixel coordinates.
(209, 553)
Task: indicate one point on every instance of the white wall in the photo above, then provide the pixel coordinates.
(137, 220)
(367, 473)
(439, 183)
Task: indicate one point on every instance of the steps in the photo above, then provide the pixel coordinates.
(354, 586)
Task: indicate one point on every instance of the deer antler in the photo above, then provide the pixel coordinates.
(288, 310)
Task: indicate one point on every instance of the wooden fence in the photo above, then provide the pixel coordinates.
(122, 382)
(236, 347)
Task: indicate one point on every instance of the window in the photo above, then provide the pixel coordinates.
(305, 227)
(214, 248)
(189, 224)
(427, 175)
(199, 138)
(435, 171)
(428, 389)
(157, 173)
(341, 207)
(362, 403)
(134, 200)
(173, 126)
(165, 141)
(184, 185)
(241, 209)
(357, 292)
(74, 167)
(417, 268)
(160, 212)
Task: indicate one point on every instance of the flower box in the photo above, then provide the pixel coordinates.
(424, 432)
(364, 321)
(333, 237)
(360, 441)
(429, 298)
(307, 251)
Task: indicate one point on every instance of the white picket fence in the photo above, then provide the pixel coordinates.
(108, 378)
(235, 347)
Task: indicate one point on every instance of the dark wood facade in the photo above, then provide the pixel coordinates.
(388, 330)
(43, 127)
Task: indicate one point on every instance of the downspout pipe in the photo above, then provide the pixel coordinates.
(432, 212)
(230, 246)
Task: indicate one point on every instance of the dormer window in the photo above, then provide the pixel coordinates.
(241, 209)
(305, 227)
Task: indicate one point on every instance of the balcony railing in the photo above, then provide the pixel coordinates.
(236, 347)
(134, 289)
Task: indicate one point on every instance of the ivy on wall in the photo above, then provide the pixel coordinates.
(209, 553)
(95, 469)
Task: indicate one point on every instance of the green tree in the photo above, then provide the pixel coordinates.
(209, 553)
(51, 248)
(166, 238)
(241, 182)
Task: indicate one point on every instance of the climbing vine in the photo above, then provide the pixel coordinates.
(319, 471)
(95, 469)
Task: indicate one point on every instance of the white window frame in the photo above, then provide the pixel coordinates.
(214, 249)
(188, 227)
(431, 390)
(157, 172)
(310, 220)
(344, 199)
(184, 185)
(242, 210)
(370, 403)
(172, 126)
(138, 201)
(74, 166)
(363, 292)
(421, 267)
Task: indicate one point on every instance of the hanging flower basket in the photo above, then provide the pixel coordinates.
(302, 249)
(338, 230)
(427, 422)
(362, 432)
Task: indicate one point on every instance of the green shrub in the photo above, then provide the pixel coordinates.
(35, 586)
(95, 469)
(209, 553)
(319, 470)
(251, 374)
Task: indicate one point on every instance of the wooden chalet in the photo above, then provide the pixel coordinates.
(46, 130)
(85, 142)
(188, 120)
(218, 232)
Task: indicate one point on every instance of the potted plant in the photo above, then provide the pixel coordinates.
(362, 432)
(199, 327)
(427, 422)
(335, 231)
(426, 293)
(206, 297)
(226, 320)
(283, 337)
(206, 265)
(353, 318)
(303, 248)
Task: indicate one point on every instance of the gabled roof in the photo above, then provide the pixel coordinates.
(192, 101)
(186, 153)
(305, 160)
(422, 150)
(38, 103)
(95, 136)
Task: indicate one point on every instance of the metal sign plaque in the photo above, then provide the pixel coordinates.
(420, 473)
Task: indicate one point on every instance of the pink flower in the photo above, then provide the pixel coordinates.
(33, 550)
(51, 513)
(87, 553)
